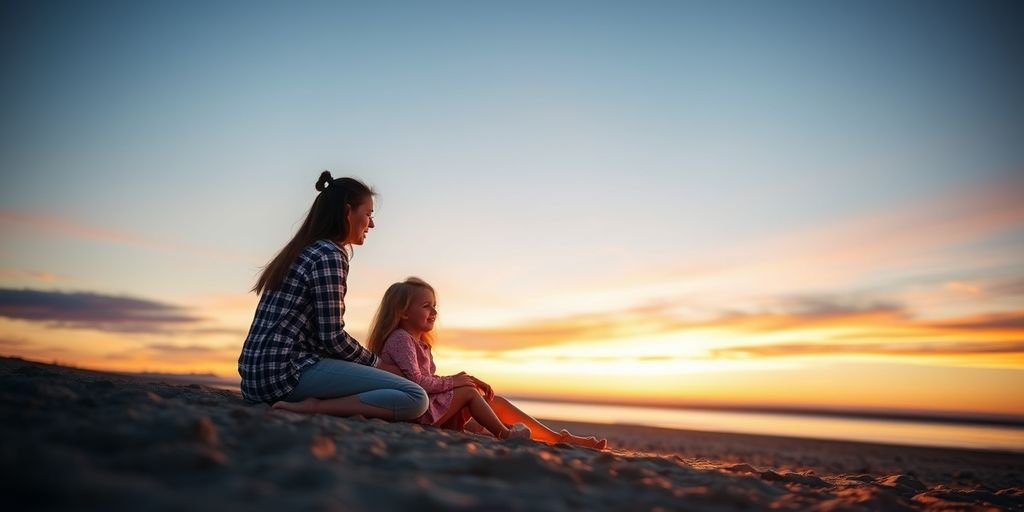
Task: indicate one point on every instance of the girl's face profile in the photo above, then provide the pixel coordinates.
(360, 221)
(422, 311)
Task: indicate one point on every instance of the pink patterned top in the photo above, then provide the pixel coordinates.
(414, 359)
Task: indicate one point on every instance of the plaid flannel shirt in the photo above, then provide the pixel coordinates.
(298, 324)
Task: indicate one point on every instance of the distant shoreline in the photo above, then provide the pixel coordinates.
(935, 417)
(923, 417)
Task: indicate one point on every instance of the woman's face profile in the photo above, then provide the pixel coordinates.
(360, 221)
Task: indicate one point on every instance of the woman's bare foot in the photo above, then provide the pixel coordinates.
(307, 406)
(588, 442)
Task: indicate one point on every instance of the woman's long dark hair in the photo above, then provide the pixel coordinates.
(327, 219)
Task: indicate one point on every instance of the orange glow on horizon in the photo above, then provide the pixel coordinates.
(742, 360)
(821, 317)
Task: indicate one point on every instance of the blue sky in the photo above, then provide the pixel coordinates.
(534, 160)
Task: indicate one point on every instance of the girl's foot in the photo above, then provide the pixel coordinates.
(588, 442)
(518, 431)
(307, 406)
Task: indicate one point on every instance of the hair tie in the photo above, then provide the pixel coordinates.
(324, 181)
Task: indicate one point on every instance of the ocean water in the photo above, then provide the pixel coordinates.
(886, 431)
(902, 432)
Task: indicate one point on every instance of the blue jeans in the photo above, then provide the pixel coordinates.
(333, 378)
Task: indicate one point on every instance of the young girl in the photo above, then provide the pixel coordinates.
(401, 335)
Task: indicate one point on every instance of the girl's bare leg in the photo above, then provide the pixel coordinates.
(344, 406)
(509, 414)
(469, 396)
(474, 427)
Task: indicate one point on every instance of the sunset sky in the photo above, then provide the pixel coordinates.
(776, 203)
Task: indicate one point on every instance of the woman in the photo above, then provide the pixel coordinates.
(297, 349)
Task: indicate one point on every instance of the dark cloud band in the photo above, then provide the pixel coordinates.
(93, 311)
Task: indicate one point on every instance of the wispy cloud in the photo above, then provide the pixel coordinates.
(59, 226)
(8, 273)
(916, 349)
(227, 331)
(852, 326)
(93, 311)
(938, 236)
(911, 232)
(191, 352)
(963, 287)
(992, 322)
(15, 343)
(803, 312)
(22, 347)
(168, 355)
(998, 288)
(181, 349)
(663, 317)
(841, 270)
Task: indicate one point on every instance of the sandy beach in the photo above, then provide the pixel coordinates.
(84, 440)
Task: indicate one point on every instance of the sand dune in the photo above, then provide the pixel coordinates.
(82, 440)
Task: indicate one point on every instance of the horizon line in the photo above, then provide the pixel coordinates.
(887, 414)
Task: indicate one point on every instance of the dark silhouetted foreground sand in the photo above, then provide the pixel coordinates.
(83, 440)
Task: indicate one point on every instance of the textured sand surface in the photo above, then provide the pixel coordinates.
(82, 440)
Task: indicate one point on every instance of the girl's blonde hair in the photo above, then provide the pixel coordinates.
(396, 300)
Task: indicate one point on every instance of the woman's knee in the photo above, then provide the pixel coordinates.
(416, 404)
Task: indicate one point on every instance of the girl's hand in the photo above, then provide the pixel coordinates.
(485, 387)
(461, 380)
